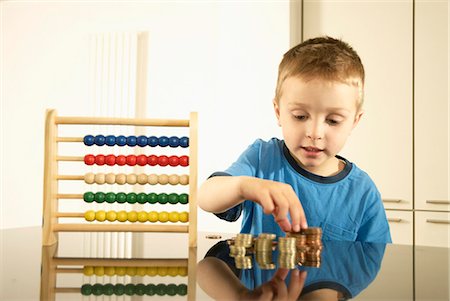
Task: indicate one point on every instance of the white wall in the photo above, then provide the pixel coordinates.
(217, 58)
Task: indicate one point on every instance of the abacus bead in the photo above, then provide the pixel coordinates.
(99, 197)
(171, 289)
(88, 197)
(89, 215)
(131, 179)
(142, 198)
(184, 141)
(110, 178)
(141, 160)
(174, 217)
(122, 216)
(163, 198)
(140, 289)
(152, 198)
(121, 271)
(140, 271)
(184, 161)
(141, 141)
(152, 179)
(110, 140)
(162, 271)
(121, 140)
(174, 141)
(119, 289)
(88, 270)
(97, 289)
(100, 178)
(182, 271)
(89, 159)
(100, 215)
(132, 216)
(110, 160)
(131, 160)
(99, 140)
(129, 289)
(108, 289)
(86, 289)
(110, 197)
(111, 216)
(150, 289)
(173, 198)
(121, 178)
(88, 140)
(174, 161)
(121, 160)
(99, 271)
(100, 159)
(183, 198)
(89, 178)
(121, 197)
(142, 216)
(153, 141)
(182, 289)
(152, 271)
(163, 179)
(131, 198)
(163, 216)
(110, 271)
(131, 140)
(160, 289)
(153, 216)
(184, 179)
(163, 141)
(172, 271)
(184, 217)
(174, 179)
(152, 160)
(142, 178)
(163, 160)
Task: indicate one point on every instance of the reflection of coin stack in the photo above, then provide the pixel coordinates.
(263, 249)
(238, 250)
(287, 252)
(309, 246)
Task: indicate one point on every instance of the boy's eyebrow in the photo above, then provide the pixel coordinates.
(294, 104)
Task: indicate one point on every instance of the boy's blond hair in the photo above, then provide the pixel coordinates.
(322, 58)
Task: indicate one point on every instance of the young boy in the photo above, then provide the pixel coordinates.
(280, 183)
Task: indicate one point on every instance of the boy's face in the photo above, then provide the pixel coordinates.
(316, 118)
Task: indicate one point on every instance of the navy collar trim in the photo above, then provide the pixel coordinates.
(313, 177)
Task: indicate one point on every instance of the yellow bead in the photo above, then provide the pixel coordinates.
(152, 179)
(121, 178)
(110, 178)
(182, 271)
(141, 271)
(100, 178)
(163, 179)
(132, 179)
(163, 216)
(121, 271)
(174, 179)
(174, 217)
(184, 217)
(153, 216)
(142, 178)
(172, 271)
(110, 271)
(151, 271)
(122, 216)
(111, 215)
(131, 271)
(89, 178)
(132, 216)
(162, 271)
(184, 179)
(99, 271)
(100, 215)
(88, 270)
(89, 215)
(142, 216)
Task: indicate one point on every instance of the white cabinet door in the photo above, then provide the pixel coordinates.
(432, 229)
(401, 226)
(381, 33)
(431, 102)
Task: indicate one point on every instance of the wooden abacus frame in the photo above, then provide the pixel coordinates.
(51, 226)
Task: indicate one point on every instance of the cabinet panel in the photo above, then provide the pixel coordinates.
(381, 33)
(432, 229)
(431, 114)
(401, 225)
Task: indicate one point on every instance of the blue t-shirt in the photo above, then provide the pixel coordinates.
(347, 206)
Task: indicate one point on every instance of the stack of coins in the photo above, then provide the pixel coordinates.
(239, 248)
(263, 250)
(309, 246)
(243, 262)
(287, 251)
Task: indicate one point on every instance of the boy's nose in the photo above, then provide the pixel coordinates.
(315, 132)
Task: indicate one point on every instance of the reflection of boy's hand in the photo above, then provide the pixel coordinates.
(276, 288)
(277, 199)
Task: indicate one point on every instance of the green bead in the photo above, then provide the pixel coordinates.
(150, 289)
(163, 198)
(99, 197)
(171, 289)
(110, 197)
(160, 289)
(121, 197)
(88, 197)
(97, 289)
(131, 198)
(184, 198)
(182, 289)
(152, 198)
(108, 289)
(140, 289)
(129, 289)
(119, 289)
(142, 198)
(86, 289)
(173, 198)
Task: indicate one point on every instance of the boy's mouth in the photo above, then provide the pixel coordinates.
(312, 149)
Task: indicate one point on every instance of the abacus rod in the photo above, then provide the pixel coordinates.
(69, 177)
(69, 214)
(120, 262)
(119, 228)
(123, 121)
(69, 158)
(69, 139)
(69, 270)
(67, 289)
(69, 196)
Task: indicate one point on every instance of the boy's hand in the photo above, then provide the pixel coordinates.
(277, 199)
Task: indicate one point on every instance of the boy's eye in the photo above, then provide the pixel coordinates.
(332, 122)
(300, 117)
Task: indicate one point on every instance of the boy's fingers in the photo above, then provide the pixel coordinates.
(285, 225)
(267, 205)
(296, 284)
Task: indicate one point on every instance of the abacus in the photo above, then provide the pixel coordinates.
(121, 221)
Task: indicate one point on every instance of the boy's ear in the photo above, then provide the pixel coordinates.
(357, 118)
(276, 108)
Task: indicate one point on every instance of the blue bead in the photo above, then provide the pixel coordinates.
(131, 140)
(121, 140)
(88, 140)
(142, 141)
(99, 140)
(184, 141)
(174, 141)
(163, 141)
(110, 140)
(153, 141)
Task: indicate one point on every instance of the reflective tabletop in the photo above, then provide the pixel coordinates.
(159, 266)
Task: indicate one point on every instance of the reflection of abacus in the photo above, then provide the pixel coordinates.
(121, 221)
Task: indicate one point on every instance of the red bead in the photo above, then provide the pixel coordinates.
(184, 161)
(152, 160)
(110, 160)
(141, 160)
(100, 159)
(173, 161)
(163, 160)
(131, 160)
(89, 159)
(121, 160)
